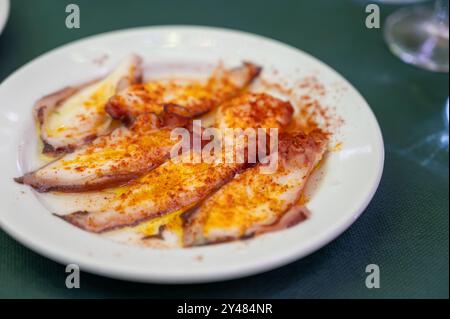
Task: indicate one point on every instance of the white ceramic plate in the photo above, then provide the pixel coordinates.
(4, 13)
(351, 176)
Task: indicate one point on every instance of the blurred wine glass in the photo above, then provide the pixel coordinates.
(419, 35)
(431, 150)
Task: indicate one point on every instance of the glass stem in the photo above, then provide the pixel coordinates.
(441, 11)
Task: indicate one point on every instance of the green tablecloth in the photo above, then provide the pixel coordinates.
(405, 228)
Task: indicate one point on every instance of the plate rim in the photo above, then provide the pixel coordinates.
(92, 266)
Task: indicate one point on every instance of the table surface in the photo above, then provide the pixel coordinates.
(405, 228)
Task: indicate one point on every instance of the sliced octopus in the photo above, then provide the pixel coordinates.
(110, 160)
(258, 201)
(178, 184)
(76, 115)
(190, 98)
